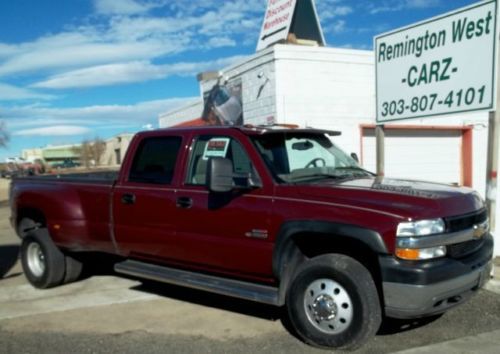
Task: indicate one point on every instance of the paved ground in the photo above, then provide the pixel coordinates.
(109, 314)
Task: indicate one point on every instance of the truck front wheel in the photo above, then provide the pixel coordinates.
(333, 302)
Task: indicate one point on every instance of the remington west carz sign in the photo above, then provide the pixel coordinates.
(439, 66)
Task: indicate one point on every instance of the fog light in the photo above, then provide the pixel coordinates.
(417, 254)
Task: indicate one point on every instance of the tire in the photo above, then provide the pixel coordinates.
(74, 269)
(43, 263)
(333, 302)
(26, 226)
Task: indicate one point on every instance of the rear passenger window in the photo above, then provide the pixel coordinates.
(155, 160)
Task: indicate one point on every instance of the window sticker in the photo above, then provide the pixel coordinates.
(216, 147)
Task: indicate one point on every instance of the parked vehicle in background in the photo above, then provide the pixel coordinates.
(274, 215)
(18, 167)
(67, 163)
(10, 170)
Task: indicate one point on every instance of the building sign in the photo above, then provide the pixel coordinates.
(439, 66)
(277, 22)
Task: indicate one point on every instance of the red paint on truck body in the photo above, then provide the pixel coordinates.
(92, 216)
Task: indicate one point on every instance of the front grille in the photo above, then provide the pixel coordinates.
(459, 250)
(463, 222)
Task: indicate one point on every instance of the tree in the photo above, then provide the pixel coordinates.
(4, 136)
(91, 151)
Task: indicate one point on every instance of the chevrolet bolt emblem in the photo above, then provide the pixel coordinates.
(479, 231)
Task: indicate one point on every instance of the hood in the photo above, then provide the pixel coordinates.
(405, 198)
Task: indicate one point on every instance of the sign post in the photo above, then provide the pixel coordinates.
(380, 141)
(493, 155)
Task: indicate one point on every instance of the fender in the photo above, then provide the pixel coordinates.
(285, 251)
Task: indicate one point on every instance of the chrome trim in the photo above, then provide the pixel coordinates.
(476, 232)
(224, 286)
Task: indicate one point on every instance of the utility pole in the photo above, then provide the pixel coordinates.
(492, 163)
(380, 138)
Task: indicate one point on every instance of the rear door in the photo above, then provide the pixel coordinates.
(144, 204)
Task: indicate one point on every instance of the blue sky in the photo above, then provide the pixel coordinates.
(76, 69)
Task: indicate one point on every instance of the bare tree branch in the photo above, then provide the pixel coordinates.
(4, 135)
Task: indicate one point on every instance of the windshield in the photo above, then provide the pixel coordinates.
(298, 157)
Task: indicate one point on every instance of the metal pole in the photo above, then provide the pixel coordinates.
(380, 137)
(492, 168)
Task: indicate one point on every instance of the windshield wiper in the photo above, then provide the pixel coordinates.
(354, 168)
(304, 176)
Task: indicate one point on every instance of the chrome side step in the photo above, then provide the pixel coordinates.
(235, 288)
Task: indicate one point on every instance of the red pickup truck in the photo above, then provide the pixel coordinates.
(274, 215)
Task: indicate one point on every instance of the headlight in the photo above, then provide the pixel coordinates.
(420, 228)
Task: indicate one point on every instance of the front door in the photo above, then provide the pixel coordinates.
(224, 231)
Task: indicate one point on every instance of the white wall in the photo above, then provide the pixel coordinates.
(326, 88)
(258, 86)
(190, 111)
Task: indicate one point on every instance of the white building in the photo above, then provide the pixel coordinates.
(116, 148)
(334, 89)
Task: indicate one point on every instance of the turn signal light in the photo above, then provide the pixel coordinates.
(415, 254)
(407, 253)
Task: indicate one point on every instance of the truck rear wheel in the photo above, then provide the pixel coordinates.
(333, 302)
(43, 263)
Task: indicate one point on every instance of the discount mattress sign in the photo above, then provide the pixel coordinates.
(277, 22)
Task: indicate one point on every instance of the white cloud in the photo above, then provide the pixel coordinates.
(398, 5)
(335, 11)
(103, 75)
(337, 26)
(422, 4)
(217, 42)
(66, 54)
(123, 73)
(135, 35)
(14, 93)
(123, 7)
(57, 130)
(129, 117)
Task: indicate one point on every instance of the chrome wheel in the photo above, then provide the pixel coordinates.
(36, 259)
(328, 306)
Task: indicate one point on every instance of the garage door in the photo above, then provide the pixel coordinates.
(423, 154)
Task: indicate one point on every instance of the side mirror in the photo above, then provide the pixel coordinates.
(220, 175)
(355, 157)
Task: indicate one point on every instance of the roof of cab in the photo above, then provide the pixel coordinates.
(247, 130)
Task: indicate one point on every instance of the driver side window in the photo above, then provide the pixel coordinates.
(206, 147)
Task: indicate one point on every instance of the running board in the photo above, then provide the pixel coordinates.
(235, 288)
